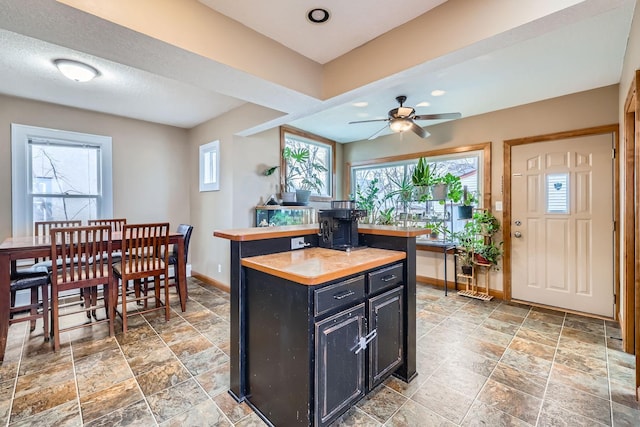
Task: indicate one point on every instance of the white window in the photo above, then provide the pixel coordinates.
(308, 163)
(58, 175)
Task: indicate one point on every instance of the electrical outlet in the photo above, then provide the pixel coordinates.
(219, 268)
(297, 243)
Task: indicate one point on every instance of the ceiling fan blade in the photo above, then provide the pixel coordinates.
(375, 135)
(419, 131)
(369, 121)
(441, 116)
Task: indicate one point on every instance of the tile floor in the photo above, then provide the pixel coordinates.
(479, 363)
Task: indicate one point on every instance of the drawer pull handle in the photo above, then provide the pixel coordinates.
(344, 295)
(389, 278)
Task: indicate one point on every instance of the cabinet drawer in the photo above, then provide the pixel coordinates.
(385, 278)
(338, 295)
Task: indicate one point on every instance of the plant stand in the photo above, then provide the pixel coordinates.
(471, 282)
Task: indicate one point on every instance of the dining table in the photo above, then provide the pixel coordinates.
(14, 249)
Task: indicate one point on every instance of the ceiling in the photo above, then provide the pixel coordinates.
(579, 47)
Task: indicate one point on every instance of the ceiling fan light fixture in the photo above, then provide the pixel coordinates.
(400, 124)
(76, 71)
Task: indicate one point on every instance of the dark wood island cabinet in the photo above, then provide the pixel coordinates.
(314, 330)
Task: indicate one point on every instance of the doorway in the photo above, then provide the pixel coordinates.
(554, 186)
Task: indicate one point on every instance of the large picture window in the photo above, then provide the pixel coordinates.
(58, 175)
(384, 187)
(308, 163)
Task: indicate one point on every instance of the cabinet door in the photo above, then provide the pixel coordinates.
(339, 376)
(385, 351)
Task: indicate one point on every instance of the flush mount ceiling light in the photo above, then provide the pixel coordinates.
(318, 15)
(438, 92)
(76, 71)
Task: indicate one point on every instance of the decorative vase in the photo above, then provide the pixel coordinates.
(465, 212)
(302, 196)
(288, 197)
(439, 191)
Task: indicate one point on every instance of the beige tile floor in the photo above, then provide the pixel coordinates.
(479, 364)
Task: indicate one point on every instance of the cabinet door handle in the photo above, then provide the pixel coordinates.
(344, 295)
(363, 341)
(389, 278)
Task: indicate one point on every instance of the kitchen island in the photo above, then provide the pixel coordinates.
(248, 245)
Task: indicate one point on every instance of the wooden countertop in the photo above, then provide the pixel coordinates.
(262, 233)
(319, 265)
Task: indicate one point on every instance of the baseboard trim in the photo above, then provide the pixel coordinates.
(440, 283)
(209, 281)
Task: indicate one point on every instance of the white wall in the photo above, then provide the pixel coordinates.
(150, 179)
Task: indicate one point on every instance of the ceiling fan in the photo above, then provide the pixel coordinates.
(403, 118)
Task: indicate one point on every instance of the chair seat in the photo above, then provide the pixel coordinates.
(30, 281)
(145, 270)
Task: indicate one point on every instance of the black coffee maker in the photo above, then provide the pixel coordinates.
(339, 225)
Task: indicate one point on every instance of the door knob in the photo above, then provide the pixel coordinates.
(517, 234)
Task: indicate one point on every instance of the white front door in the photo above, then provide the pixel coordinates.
(562, 224)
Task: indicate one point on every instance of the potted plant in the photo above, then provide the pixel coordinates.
(468, 199)
(489, 254)
(386, 217)
(487, 223)
(302, 173)
(442, 187)
(465, 261)
(367, 199)
(404, 192)
(422, 179)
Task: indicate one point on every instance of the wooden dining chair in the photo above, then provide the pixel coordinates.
(115, 223)
(85, 263)
(40, 267)
(38, 308)
(144, 257)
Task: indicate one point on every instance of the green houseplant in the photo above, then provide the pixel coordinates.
(302, 171)
(422, 178)
(468, 199)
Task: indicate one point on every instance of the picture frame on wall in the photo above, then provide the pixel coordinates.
(210, 166)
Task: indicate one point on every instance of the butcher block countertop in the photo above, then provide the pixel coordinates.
(319, 265)
(262, 233)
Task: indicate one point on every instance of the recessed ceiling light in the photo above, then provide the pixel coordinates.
(318, 15)
(360, 104)
(423, 104)
(76, 71)
(438, 92)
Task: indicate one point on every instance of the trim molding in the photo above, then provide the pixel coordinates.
(211, 282)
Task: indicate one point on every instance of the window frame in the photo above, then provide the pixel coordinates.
(22, 194)
(484, 147)
(331, 188)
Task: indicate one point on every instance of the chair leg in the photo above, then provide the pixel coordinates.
(94, 301)
(124, 307)
(167, 308)
(33, 311)
(13, 302)
(55, 320)
(45, 311)
(86, 294)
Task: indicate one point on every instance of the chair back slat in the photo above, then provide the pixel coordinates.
(41, 228)
(144, 247)
(116, 224)
(83, 257)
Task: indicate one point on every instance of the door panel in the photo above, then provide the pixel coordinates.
(562, 199)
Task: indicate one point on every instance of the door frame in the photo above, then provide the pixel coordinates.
(506, 216)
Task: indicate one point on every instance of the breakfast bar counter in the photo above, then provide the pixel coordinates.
(306, 267)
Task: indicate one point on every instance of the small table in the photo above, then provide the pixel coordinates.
(444, 248)
(29, 247)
